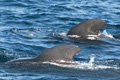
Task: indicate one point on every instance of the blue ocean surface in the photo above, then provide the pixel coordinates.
(28, 27)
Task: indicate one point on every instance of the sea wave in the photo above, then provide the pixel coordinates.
(105, 34)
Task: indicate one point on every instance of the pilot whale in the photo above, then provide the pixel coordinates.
(87, 28)
(58, 54)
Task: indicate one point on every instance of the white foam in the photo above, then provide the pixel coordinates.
(105, 34)
(50, 30)
(91, 37)
(74, 36)
(85, 65)
(31, 34)
(63, 34)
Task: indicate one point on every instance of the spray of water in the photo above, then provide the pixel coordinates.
(91, 62)
(85, 65)
(105, 34)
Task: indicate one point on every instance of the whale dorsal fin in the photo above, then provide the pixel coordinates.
(58, 53)
(89, 27)
(55, 54)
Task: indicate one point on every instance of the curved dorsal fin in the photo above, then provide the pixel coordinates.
(62, 52)
(54, 54)
(89, 27)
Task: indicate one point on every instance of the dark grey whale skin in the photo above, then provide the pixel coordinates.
(88, 27)
(54, 54)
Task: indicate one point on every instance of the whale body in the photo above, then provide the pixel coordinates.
(88, 27)
(65, 53)
(62, 53)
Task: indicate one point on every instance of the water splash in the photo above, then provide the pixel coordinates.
(105, 34)
(92, 60)
(91, 37)
(84, 65)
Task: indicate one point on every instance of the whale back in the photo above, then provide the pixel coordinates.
(88, 27)
(59, 53)
(55, 54)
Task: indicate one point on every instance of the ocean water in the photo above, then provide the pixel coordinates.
(28, 27)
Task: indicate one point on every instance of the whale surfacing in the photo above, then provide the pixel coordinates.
(88, 27)
(62, 53)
